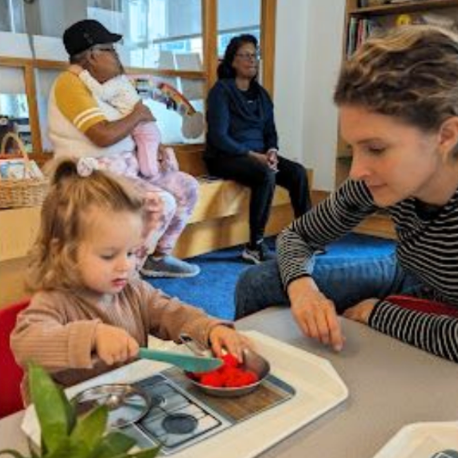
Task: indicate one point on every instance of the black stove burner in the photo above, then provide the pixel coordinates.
(157, 400)
(178, 418)
(175, 420)
(179, 423)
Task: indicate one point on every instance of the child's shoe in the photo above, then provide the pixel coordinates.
(168, 267)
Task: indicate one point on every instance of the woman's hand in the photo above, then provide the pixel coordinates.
(222, 337)
(362, 311)
(114, 345)
(315, 313)
(263, 158)
(272, 159)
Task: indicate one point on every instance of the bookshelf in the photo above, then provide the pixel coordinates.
(363, 18)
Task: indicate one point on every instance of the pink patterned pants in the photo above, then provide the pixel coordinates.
(170, 198)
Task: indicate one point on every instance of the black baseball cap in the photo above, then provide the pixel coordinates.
(86, 33)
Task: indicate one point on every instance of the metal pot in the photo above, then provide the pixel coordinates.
(253, 362)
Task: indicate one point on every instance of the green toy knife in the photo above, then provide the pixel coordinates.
(189, 363)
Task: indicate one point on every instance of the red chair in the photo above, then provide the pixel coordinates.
(423, 305)
(11, 373)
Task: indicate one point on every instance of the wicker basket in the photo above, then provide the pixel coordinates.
(16, 193)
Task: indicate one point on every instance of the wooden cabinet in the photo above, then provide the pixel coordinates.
(364, 18)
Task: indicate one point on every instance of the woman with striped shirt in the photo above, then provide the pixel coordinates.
(398, 103)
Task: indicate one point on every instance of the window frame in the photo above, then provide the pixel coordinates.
(208, 73)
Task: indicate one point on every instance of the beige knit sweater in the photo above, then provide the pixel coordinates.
(57, 330)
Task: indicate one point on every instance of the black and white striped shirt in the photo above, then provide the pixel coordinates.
(427, 246)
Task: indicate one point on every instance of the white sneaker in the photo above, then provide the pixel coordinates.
(168, 267)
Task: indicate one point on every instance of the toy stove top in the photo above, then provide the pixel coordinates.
(180, 415)
(318, 388)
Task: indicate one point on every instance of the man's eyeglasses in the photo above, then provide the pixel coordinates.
(110, 49)
(248, 56)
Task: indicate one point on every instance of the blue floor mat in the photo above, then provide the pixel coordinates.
(213, 289)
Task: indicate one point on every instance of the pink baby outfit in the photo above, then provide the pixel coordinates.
(170, 198)
(152, 159)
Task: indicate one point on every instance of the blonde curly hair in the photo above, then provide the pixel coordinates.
(410, 72)
(64, 221)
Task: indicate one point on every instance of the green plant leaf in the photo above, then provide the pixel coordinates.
(12, 453)
(69, 449)
(66, 436)
(113, 444)
(90, 428)
(70, 411)
(147, 453)
(51, 411)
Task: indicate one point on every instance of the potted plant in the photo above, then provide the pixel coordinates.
(64, 435)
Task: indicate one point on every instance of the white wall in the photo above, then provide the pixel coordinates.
(307, 61)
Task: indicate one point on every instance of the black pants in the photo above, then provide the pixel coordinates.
(261, 180)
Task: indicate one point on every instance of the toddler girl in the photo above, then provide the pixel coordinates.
(90, 313)
(119, 92)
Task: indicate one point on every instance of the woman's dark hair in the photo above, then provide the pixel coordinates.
(225, 69)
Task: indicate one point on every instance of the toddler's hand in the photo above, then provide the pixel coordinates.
(233, 342)
(114, 345)
(75, 68)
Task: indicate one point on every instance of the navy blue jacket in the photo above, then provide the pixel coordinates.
(235, 125)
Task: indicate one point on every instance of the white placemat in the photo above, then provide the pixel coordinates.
(318, 389)
(423, 440)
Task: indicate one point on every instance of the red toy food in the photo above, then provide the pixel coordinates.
(229, 375)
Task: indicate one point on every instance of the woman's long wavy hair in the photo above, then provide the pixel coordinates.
(225, 68)
(410, 73)
(65, 222)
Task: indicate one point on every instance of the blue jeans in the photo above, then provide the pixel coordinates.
(345, 281)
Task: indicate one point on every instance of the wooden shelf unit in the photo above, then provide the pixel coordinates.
(386, 14)
(399, 8)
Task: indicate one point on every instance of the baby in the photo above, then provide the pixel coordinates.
(119, 92)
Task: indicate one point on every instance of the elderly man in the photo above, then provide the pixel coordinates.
(82, 125)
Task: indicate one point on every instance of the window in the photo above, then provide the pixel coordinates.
(231, 23)
(12, 16)
(163, 37)
(156, 32)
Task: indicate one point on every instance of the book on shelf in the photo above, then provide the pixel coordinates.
(359, 30)
(370, 3)
(402, 1)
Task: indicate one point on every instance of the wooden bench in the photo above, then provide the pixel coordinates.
(219, 220)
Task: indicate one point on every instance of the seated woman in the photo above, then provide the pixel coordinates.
(242, 143)
(398, 102)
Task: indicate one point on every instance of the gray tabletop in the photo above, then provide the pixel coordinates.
(390, 385)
